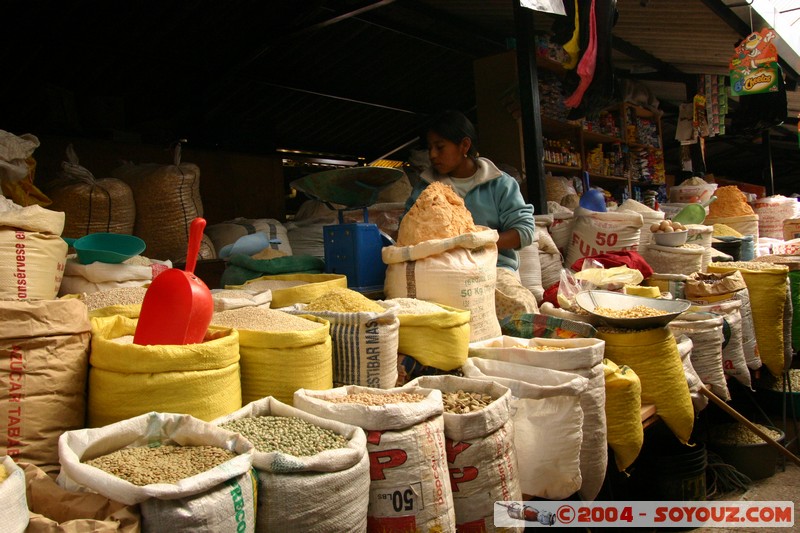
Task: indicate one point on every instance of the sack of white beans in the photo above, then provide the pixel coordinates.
(580, 356)
(409, 486)
(191, 475)
(705, 330)
(595, 233)
(481, 457)
(733, 361)
(313, 473)
(13, 506)
(548, 420)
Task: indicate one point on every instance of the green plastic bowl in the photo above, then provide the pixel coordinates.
(106, 247)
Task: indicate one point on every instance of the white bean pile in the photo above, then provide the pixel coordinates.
(286, 434)
(637, 311)
(143, 465)
(367, 398)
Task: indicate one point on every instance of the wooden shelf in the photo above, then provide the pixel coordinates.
(606, 177)
(592, 136)
(553, 167)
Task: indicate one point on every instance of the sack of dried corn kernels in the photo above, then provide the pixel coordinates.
(409, 487)
(12, 496)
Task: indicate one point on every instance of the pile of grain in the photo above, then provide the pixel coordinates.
(368, 398)
(343, 300)
(412, 306)
(731, 202)
(118, 296)
(544, 348)
(637, 311)
(438, 213)
(272, 284)
(262, 319)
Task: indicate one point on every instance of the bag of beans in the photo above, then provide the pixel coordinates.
(458, 271)
(190, 475)
(290, 289)
(409, 486)
(13, 507)
(53, 509)
(767, 286)
(699, 400)
(32, 253)
(279, 352)
(364, 337)
(548, 419)
(127, 379)
(733, 361)
(45, 346)
(434, 335)
(653, 355)
(623, 413)
(705, 330)
(481, 457)
(313, 473)
(579, 356)
(685, 259)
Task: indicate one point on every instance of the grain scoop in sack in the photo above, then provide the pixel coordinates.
(177, 307)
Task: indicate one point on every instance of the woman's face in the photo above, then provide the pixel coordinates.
(446, 156)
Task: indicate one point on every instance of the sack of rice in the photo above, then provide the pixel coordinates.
(579, 356)
(313, 473)
(772, 211)
(548, 420)
(32, 253)
(167, 199)
(364, 337)
(55, 509)
(127, 379)
(595, 233)
(701, 235)
(649, 217)
(623, 413)
(190, 475)
(479, 435)
(279, 352)
(705, 330)
(653, 355)
(409, 486)
(434, 335)
(12, 496)
(225, 299)
(46, 355)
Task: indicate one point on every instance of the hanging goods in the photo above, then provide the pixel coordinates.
(352, 249)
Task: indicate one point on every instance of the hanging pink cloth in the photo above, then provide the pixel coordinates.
(587, 64)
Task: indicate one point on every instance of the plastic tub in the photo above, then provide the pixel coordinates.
(756, 461)
(729, 245)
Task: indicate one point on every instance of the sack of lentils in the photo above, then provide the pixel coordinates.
(409, 486)
(364, 336)
(279, 352)
(481, 457)
(313, 473)
(188, 475)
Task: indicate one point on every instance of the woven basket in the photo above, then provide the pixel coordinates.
(94, 206)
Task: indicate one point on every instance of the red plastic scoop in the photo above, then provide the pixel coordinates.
(177, 307)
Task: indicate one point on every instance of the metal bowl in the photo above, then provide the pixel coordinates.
(589, 300)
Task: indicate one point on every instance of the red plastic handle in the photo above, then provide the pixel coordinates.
(195, 236)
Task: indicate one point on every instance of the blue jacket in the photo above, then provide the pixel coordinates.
(494, 200)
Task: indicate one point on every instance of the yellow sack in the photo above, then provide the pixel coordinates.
(766, 283)
(623, 413)
(440, 340)
(314, 286)
(278, 363)
(653, 355)
(126, 380)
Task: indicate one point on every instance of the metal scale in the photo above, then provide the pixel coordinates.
(352, 249)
